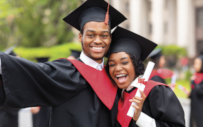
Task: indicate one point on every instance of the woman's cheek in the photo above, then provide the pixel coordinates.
(111, 72)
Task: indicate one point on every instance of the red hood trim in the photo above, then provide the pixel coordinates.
(163, 73)
(102, 85)
(198, 78)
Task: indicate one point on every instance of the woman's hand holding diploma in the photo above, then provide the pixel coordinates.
(139, 104)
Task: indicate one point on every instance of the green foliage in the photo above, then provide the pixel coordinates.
(38, 23)
(173, 50)
(55, 52)
(7, 14)
(178, 92)
(7, 10)
(188, 75)
(172, 54)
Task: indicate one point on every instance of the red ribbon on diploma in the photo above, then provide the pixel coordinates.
(141, 80)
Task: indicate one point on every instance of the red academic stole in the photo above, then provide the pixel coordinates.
(163, 73)
(124, 104)
(198, 78)
(102, 85)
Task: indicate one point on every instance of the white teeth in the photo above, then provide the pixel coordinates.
(121, 75)
(97, 47)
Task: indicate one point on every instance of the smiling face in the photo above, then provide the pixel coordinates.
(121, 69)
(95, 40)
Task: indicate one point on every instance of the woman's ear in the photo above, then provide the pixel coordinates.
(80, 37)
(110, 37)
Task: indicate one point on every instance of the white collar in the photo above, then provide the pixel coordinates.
(135, 83)
(90, 62)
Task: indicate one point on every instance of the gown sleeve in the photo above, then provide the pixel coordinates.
(158, 79)
(166, 108)
(2, 92)
(27, 84)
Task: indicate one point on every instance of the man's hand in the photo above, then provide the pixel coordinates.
(138, 108)
(35, 110)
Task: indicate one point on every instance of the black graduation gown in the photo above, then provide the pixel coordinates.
(56, 84)
(8, 117)
(197, 102)
(162, 105)
(158, 79)
(42, 118)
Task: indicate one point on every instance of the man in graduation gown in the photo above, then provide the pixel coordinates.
(8, 117)
(79, 91)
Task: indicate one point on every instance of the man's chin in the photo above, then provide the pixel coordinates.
(97, 57)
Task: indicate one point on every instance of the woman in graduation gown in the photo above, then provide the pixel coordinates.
(196, 94)
(158, 106)
(79, 91)
(157, 57)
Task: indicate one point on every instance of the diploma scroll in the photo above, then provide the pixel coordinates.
(173, 79)
(141, 87)
(173, 82)
(183, 89)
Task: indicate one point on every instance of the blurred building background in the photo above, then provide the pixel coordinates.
(37, 28)
(166, 22)
(37, 23)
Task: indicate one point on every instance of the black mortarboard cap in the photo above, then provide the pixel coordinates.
(126, 41)
(155, 54)
(10, 51)
(75, 53)
(42, 59)
(94, 10)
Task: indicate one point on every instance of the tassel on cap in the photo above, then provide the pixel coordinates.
(107, 16)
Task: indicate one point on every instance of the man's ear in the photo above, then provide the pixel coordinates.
(80, 37)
